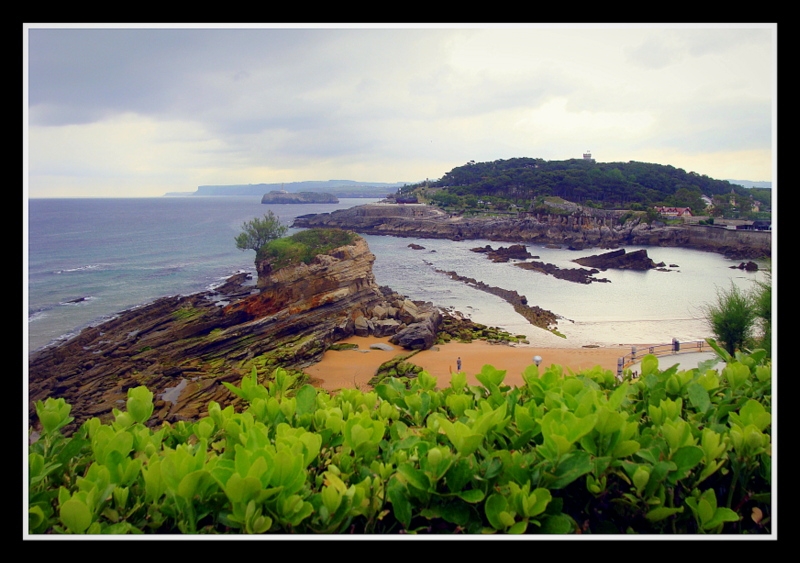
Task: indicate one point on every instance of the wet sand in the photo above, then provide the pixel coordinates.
(354, 368)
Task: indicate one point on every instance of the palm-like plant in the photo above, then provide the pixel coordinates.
(732, 318)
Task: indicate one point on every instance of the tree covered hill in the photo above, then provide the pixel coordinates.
(611, 185)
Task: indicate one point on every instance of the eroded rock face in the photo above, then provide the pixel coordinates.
(183, 348)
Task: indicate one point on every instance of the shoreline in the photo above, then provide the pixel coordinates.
(348, 369)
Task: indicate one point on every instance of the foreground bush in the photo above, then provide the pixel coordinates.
(671, 452)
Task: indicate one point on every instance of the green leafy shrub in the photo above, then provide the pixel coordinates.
(259, 231)
(304, 246)
(762, 306)
(681, 452)
(732, 318)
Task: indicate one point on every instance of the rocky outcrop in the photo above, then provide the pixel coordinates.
(535, 315)
(749, 266)
(575, 275)
(520, 253)
(584, 228)
(620, 260)
(275, 197)
(503, 254)
(184, 347)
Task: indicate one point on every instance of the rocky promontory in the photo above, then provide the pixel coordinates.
(183, 347)
(581, 229)
(619, 259)
(275, 197)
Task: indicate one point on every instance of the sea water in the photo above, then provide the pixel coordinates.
(89, 259)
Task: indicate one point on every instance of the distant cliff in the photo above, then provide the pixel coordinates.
(299, 197)
(583, 229)
(183, 347)
(339, 188)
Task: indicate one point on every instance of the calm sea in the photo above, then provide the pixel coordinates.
(89, 259)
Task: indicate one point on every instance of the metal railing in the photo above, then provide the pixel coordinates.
(675, 347)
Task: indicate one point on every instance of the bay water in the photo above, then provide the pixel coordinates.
(89, 259)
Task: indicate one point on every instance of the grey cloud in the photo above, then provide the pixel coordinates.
(716, 126)
(85, 74)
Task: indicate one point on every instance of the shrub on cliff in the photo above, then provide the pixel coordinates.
(303, 246)
(258, 232)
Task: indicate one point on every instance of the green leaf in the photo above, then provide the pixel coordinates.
(306, 400)
(557, 524)
(459, 475)
(241, 489)
(190, 483)
(754, 413)
(414, 476)
(472, 496)
(698, 397)
(686, 458)
(140, 404)
(53, 414)
(495, 509)
(458, 380)
(489, 376)
(75, 515)
(400, 503)
(661, 513)
(570, 468)
(649, 365)
(626, 448)
(721, 515)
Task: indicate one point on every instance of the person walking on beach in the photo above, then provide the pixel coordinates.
(458, 363)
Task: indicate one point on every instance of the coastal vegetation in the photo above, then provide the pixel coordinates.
(259, 231)
(684, 452)
(525, 184)
(736, 316)
(303, 246)
(670, 452)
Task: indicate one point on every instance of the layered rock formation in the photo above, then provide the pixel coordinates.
(533, 314)
(582, 229)
(183, 347)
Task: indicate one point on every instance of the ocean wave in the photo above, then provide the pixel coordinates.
(37, 316)
(81, 268)
(221, 280)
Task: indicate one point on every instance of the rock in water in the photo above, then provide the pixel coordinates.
(619, 259)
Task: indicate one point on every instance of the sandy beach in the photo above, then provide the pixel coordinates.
(354, 368)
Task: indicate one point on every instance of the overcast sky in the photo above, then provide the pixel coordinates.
(134, 112)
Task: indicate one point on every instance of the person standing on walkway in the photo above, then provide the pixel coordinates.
(458, 364)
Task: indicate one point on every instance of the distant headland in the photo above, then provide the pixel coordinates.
(282, 196)
(338, 188)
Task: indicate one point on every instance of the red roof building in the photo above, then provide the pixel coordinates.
(674, 211)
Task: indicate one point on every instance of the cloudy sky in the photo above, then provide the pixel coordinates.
(138, 112)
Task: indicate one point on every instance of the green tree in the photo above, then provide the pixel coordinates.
(732, 318)
(258, 232)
